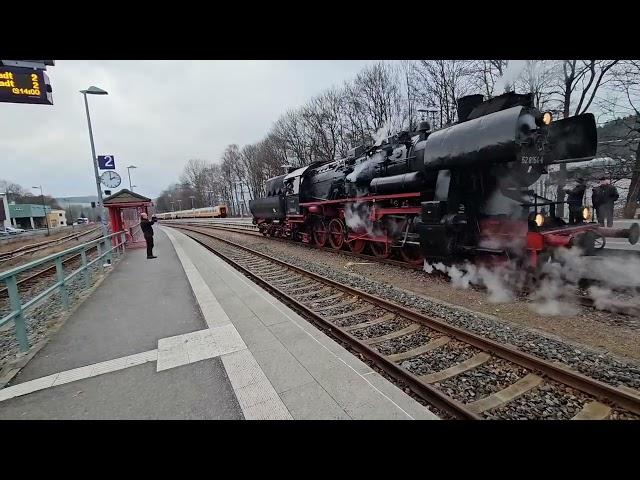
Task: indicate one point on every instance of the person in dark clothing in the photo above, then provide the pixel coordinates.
(575, 200)
(147, 231)
(604, 196)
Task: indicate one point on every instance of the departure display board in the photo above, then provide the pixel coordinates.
(24, 85)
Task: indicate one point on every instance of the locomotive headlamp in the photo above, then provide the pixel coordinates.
(539, 219)
(586, 213)
(547, 118)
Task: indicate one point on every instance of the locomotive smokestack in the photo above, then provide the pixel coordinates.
(467, 104)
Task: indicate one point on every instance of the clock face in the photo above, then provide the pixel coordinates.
(110, 179)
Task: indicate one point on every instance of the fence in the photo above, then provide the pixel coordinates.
(106, 246)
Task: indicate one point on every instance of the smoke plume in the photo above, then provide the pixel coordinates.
(514, 70)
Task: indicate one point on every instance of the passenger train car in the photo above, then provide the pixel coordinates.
(219, 211)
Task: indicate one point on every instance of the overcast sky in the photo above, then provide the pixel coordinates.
(158, 115)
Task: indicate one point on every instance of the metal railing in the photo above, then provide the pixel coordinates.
(135, 232)
(106, 246)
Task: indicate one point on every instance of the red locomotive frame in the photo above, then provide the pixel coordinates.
(326, 225)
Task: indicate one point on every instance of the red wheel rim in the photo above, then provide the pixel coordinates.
(357, 246)
(380, 249)
(336, 234)
(320, 234)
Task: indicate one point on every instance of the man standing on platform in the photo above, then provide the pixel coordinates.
(147, 231)
(575, 199)
(604, 197)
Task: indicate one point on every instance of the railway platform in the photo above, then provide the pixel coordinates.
(185, 336)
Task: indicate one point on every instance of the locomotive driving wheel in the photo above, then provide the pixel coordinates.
(412, 254)
(357, 246)
(380, 249)
(320, 233)
(336, 233)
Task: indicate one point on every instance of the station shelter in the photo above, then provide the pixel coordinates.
(125, 208)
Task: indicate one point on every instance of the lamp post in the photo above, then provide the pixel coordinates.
(46, 220)
(192, 198)
(172, 209)
(129, 172)
(179, 204)
(95, 91)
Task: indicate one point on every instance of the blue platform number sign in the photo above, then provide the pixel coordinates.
(106, 162)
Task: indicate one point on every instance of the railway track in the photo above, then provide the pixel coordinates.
(458, 372)
(33, 278)
(35, 247)
(623, 308)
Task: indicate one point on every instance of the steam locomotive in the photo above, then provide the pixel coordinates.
(458, 192)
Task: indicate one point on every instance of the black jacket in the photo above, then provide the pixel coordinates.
(576, 195)
(604, 194)
(146, 227)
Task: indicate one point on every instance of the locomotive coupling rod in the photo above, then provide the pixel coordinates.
(632, 233)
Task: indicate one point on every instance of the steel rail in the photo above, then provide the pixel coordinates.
(554, 371)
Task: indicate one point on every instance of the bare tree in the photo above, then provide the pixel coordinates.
(580, 80)
(539, 77)
(290, 130)
(194, 175)
(441, 83)
(485, 75)
(372, 101)
(627, 81)
(325, 123)
(11, 189)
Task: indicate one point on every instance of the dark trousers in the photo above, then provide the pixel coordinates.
(575, 214)
(605, 213)
(149, 240)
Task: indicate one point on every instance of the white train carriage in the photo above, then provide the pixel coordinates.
(219, 211)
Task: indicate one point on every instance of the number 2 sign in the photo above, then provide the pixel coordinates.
(106, 162)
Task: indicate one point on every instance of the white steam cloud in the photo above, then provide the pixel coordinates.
(556, 293)
(514, 70)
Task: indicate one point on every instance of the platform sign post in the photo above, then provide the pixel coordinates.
(106, 162)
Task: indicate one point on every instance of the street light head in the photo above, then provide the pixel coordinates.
(94, 91)
(132, 166)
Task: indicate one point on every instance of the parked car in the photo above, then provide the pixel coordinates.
(14, 231)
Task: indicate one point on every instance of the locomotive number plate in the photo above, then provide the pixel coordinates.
(532, 159)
